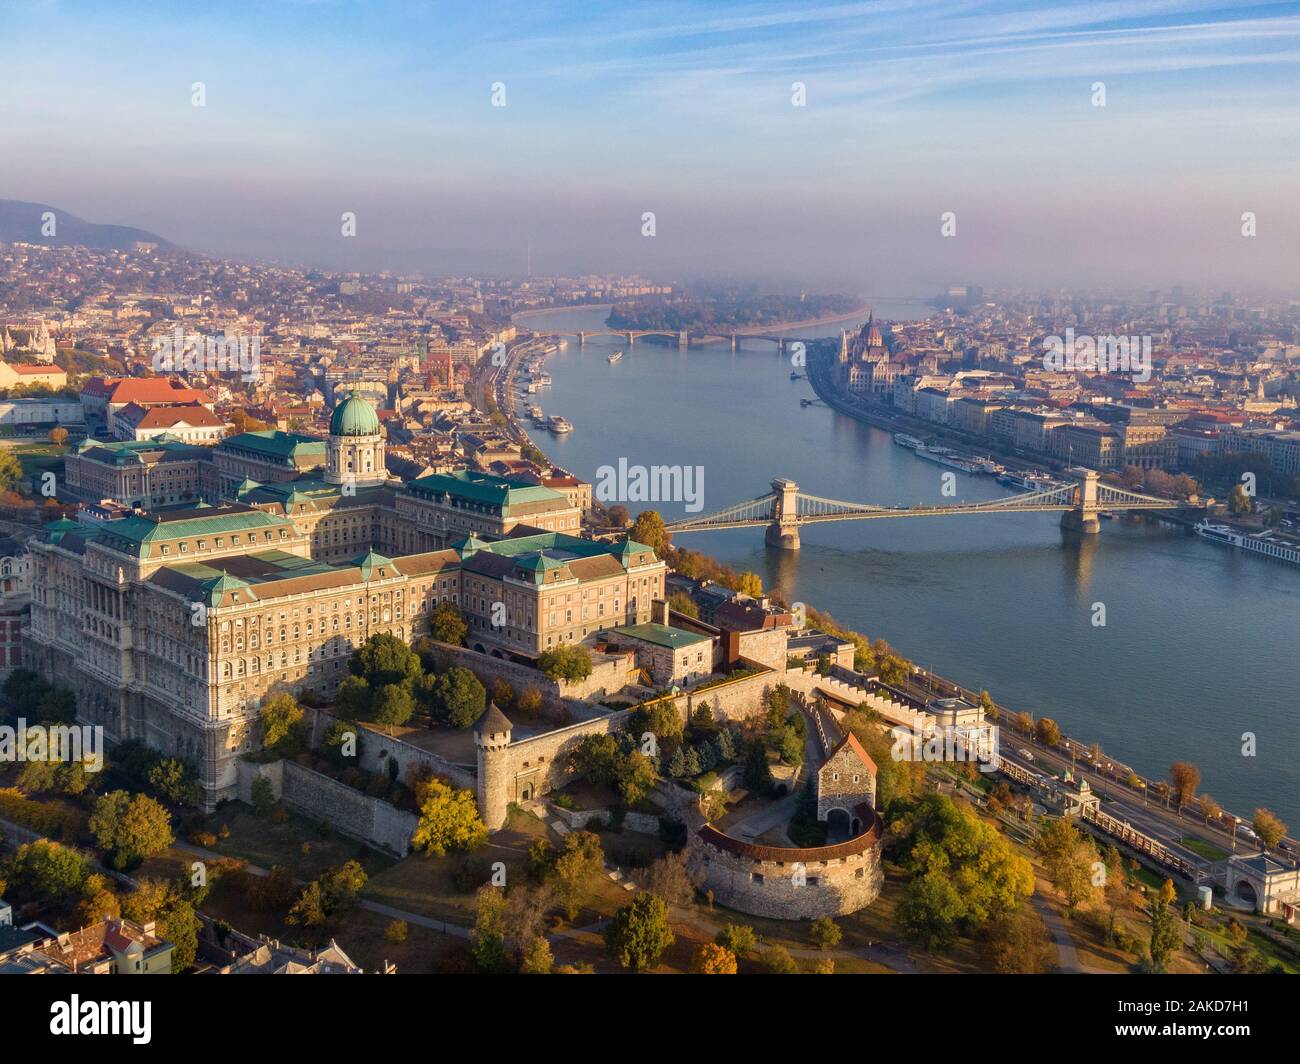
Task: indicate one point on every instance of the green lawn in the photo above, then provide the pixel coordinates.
(299, 845)
(1203, 849)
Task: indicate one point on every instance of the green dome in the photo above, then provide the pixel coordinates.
(354, 417)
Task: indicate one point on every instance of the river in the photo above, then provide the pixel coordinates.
(1200, 644)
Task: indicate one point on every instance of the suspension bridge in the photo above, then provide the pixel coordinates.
(785, 509)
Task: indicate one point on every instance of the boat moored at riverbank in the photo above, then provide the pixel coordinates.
(1270, 543)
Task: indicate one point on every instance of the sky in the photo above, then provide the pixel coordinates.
(910, 109)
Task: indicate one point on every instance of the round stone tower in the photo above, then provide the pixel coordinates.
(355, 451)
(492, 738)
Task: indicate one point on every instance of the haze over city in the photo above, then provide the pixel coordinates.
(987, 110)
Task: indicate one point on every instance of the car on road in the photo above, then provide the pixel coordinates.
(1247, 833)
(1026, 754)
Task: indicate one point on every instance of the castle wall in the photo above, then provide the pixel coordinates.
(344, 808)
(762, 880)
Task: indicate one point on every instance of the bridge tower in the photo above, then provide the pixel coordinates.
(1083, 518)
(582, 339)
(783, 532)
(734, 343)
(683, 339)
(631, 339)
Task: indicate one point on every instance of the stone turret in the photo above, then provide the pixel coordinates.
(492, 739)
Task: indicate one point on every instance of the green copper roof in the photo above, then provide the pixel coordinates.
(135, 534)
(372, 561)
(273, 444)
(661, 635)
(484, 489)
(354, 417)
(215, 590)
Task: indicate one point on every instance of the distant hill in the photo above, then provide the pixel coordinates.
(22, 222)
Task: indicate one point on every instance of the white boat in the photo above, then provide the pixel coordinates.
(542, 380)
(910, 442)
(558, 424)
(946, 457)
(1027, 481)
(615, 357)
(535, 412)
(1271, 543)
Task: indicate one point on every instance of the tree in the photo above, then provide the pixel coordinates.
(393, 706)
(459, 697)
(1269, 828)
(1166, 935)
(503, 694)
(58, 436)
(98, 902)
(1069, 858)
(1168, 892)
(639, 933)
(1239, 502)
(353, 699)
(778, 961)
(448, 820)
(281, 718)
(618, 516)
(263, 795)
(11, 470)
(530, 702)
(667, 878)
(636, 777)
(1024, 722)
(1017, 943)
(447, 625)
(130, 828)
(597, 758)
(172, 912)
(44, 871)
(649, 529)
(1184, 776)
(1208, 808)
(825, 933)
(581, 860)
(712, 959)
(173, 779)
(751, 584)
(964, 873)
(680, 602)
(384, 659)
(395, 933)
(568, 662)
(538, 958)
(488, 938)
(739, 938)
(1047, 731)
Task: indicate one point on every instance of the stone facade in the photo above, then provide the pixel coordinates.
(846, 780)
(344, 808)
(788, 883)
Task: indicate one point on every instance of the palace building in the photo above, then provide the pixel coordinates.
(171, 626)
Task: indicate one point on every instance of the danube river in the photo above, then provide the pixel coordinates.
(1201, 643)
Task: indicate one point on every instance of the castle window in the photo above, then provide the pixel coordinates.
(855, 777)
(835, 775)
(756, 877)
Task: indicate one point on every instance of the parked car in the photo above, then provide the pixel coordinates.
(1026, 754)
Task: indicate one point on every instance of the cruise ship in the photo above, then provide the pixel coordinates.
(615, 357)
(535, 412)
(946, 457)
(1027, 481)
(558, 424)
(910, 442)
(1270, 543)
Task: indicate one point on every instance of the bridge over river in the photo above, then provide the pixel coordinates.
(785, 509)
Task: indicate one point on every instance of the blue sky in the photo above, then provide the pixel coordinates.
(913, 108)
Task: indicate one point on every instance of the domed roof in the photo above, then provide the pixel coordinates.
(354, 417)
